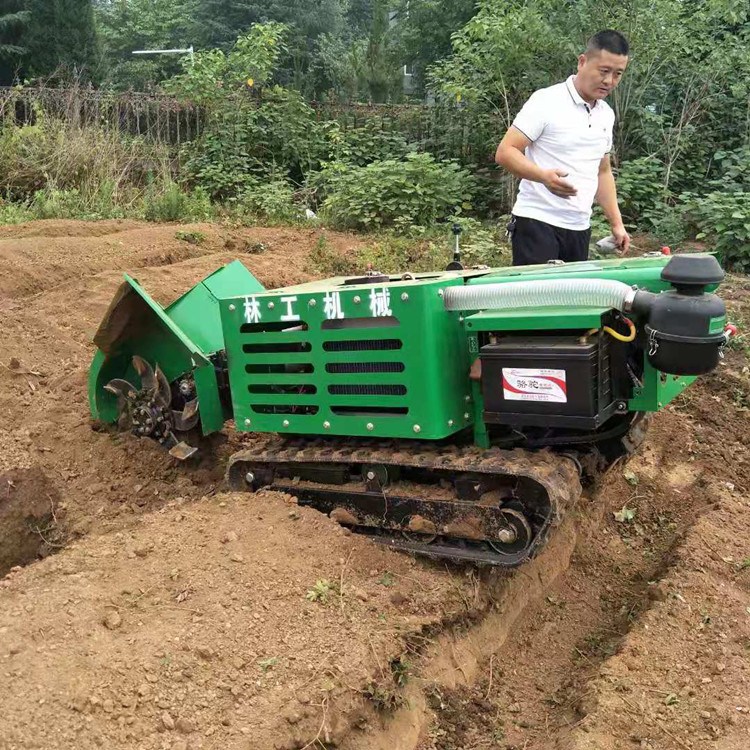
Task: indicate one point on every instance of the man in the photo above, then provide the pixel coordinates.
(559, 145)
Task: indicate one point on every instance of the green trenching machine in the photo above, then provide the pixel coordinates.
(448, 414)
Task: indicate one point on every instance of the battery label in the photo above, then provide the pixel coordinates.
(527, 384)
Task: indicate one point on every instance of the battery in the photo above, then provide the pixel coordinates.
(556, 381)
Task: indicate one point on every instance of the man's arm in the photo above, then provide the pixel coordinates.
(510, 154)
(606, 197)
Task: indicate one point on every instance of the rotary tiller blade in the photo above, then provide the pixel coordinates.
(187, 418)
(148, 378)
(122, 388)
(165, 392)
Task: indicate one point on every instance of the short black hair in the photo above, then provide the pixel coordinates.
(609, 40)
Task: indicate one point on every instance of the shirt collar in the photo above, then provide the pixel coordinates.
(574, 95)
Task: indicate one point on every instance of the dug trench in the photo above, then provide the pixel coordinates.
(177, 615)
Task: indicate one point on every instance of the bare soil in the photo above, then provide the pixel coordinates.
(144, 606)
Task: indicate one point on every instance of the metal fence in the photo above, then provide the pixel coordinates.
(447, 131)
(155, 117)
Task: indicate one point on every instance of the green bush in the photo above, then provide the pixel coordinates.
(172, 203)
(732, 170)
(271, 201)
(640, 188)
(417, 191)
(374, 141)
(724, 220)
(244, 142)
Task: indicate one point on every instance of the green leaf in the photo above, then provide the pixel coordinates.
(624, 515)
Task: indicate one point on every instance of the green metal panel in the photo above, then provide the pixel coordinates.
(543, 319)
(212, 413)
(658, 389)
(371, 360)
(197, 312)
(644, 272)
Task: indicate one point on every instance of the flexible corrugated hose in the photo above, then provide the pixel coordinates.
(546, 293)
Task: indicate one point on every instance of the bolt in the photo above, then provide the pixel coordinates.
(232, 308)
(467, 399)
(404, 297)
(247, 423)
(417, 428)
(466, 415)
(441, 293)
(460, 318)
(370, 426)
(506, 536)
(357, 300)
(285, 423)
(312, 303)
(249, 477)
(326, 425)
(371, 475)
(450, 423)
(271, 305)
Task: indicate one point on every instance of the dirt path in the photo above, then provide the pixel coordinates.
(175, 615)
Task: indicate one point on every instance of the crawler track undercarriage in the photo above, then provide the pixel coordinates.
(493, 507)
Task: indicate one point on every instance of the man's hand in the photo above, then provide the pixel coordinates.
(552, 179)
(622, 238)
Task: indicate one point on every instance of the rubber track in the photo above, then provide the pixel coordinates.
(558, 475)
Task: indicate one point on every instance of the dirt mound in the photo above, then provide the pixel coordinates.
(178, 616)
(36, 259)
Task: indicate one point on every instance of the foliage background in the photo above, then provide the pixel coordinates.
(304, 107)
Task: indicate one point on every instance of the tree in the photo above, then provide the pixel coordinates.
(13, 20)
(60, 34)
(128, 25)
(423, 30)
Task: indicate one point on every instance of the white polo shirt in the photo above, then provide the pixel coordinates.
(569, 135)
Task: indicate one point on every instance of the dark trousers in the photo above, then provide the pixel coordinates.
(537, 242)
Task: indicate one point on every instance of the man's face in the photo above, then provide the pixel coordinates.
(599, 73)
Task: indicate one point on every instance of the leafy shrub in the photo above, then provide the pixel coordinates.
(733, 170)
(13, 213)
(174, 204)
(374, 141)
(271, 201)
(417, 191)
(483, 244)
(245, 141)
(668, 224)
(723, 219)
(640, 188)
(72, 203)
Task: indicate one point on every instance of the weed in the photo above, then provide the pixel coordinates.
(192, 238)
(624, 515)
(325, 260)
(387, 579)
(400, 670)
(321, 591)
(266, 664)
